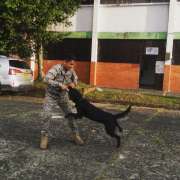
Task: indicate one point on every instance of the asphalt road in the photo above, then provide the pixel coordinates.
(150, 146)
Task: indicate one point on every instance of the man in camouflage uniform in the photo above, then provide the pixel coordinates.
(58, 79)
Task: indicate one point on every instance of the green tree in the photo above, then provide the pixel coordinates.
(24, 25)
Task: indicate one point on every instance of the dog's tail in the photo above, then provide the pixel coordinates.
(124, 113)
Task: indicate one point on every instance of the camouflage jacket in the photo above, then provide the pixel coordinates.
(58, 76)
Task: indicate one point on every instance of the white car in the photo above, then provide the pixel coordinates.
(15, 74)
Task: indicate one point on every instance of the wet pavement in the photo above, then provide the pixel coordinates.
(150, 146)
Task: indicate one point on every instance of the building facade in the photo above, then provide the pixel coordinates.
(127, 44)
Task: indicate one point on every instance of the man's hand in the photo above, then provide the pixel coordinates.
(72, 85)
(64, 87)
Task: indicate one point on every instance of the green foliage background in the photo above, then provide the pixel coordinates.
(24, 23)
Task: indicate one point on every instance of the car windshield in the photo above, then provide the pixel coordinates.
(18, 64)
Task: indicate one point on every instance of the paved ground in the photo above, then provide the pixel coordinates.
(150, 149)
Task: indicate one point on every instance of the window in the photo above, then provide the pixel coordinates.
(80, 48)
(87, 1)
(128, 51)
(176, 52)
(131, 1)
(18, 64)
(123, 51)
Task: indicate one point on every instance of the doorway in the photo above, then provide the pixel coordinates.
(149, 78)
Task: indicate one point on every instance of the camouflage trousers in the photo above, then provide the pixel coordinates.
(55, 108)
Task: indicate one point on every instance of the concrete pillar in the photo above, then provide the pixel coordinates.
(169, 46)
(94, 48)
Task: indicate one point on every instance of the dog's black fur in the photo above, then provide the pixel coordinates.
(84, 108)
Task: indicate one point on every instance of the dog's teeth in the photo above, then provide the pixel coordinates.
(99, 89)
(121, 156)
(93, 130)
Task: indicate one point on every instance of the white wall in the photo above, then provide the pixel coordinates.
(142, 18)
(81, 21)
(177, 18)
(124, 18)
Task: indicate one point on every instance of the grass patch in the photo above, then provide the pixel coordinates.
(134, 97)
(39, 84)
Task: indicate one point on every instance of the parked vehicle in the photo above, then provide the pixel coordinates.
(2, 56)
(15, 74)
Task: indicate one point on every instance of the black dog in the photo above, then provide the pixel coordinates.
(84, 108)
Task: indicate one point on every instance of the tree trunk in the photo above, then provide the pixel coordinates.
(39, 57)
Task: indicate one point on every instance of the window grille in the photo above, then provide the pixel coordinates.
(176, 52)
(131, 1)
(80, 48)
(87, 1)
(128, 51)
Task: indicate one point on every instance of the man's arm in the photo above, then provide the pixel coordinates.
(51, 75)
(74, 80)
